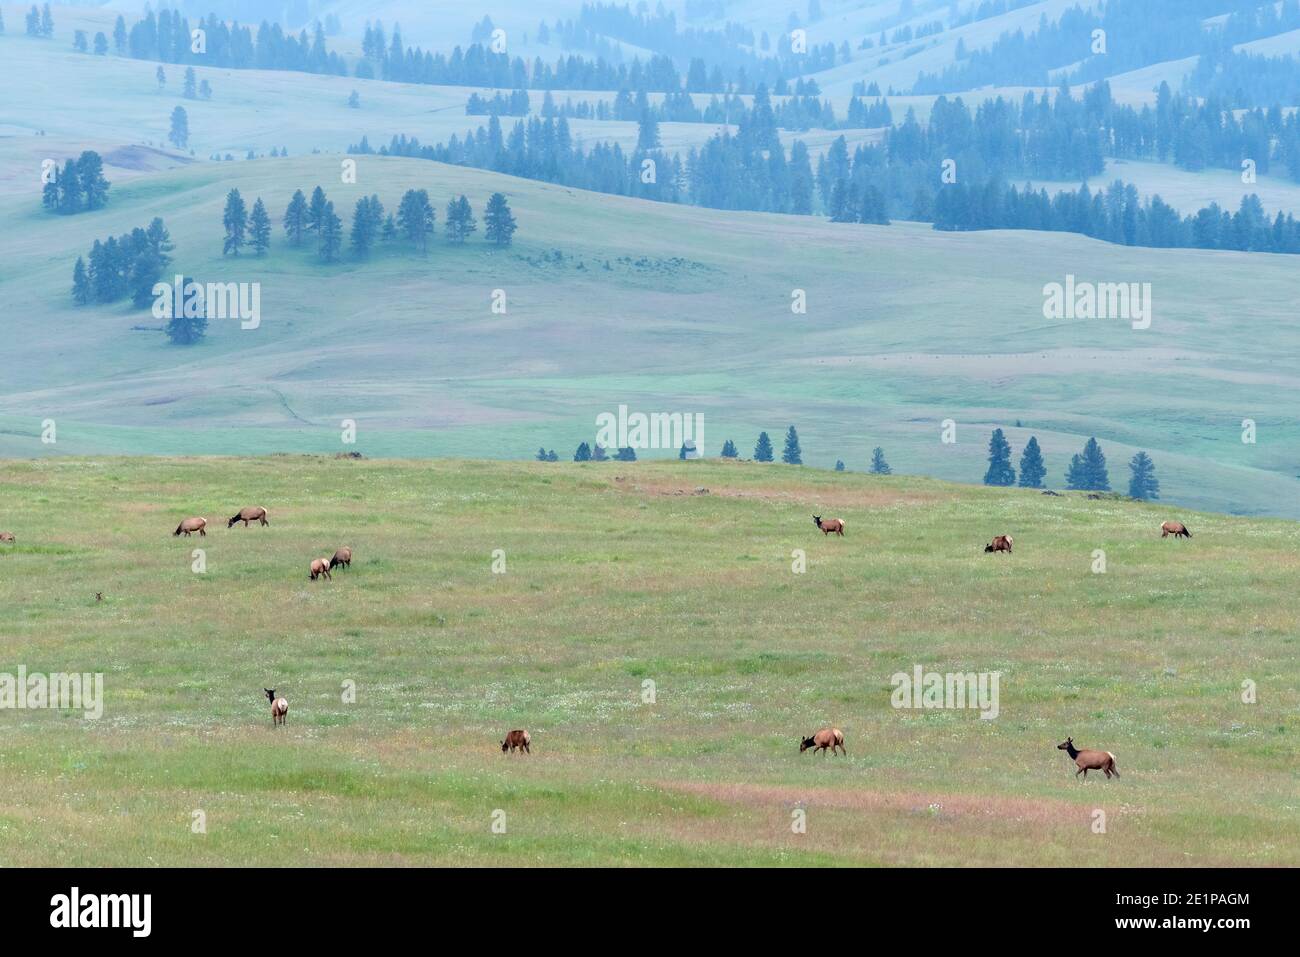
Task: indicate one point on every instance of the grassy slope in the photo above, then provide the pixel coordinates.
(614, 577)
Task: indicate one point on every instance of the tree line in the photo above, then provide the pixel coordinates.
(80, 186)
(1086, 472)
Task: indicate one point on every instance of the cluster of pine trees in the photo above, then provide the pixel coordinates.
(79, 186)
(1086, 472)
(126, 265)
(167, 36)
(40, 23)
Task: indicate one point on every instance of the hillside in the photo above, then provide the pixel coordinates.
(616, 575)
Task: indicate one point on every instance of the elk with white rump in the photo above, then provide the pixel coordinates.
(279, 707)
(1088, 760)
(520, 739)
(254, 513)
(825, 738)
(342, 556)
(319, 567)
(191, 525)
(830, 525)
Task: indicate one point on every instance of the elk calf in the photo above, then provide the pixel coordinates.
(342, 557)
(830, 525)
(254, 513)
(319, 567)
(1176, 529)
(825, 738)
(279, 707)
(1088, 760)
(519, 739)
(191, 525)
(7, 537)
(1000, 543)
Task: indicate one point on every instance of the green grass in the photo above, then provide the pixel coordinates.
(617, 574)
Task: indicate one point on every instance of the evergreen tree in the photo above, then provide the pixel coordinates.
(235, 219)
(180, 131)
(191, 323)
(791, 454)
(1142, 482)
(1000, 471)
(647, 137)
(146, 270)
(47, 21)
(583, 454)
(205, 93)
(390, 228)
(1032, 469)
(498, 221)
(50, 191)
(878, 464)
(365, 226)
(598, 453)
(839, 465)
(119, 35)
(161, 77)
(1076, 476)
(79, 41)
(259, 228)
(763, 450)
(551, 456)
(190, 90)
(729, 449)
(354, 100)
(69, 188)
(460, 220)
(415, 217)
(1094, 464)
(331, 234)
(101, 44)
(295, 218)
(626, 454)
(541, 454)
(90, 177)
(316, 210)
(34, 22)
(80, 283)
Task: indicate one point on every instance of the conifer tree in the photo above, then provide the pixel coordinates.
(791, 455)
(729, 449)
(1032, 469)
(878, 464)
(80, 283)
(296, 218)
(331, 234)
(1000, 471)
(498, 221)
(1142, 481)
(763, 450)
(235, 219)
(259, 228)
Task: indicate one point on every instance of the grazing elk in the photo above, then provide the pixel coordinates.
(519, 739)
(7, 537)
(319, 567)
(1176, 529)
(825, 738)
(1088, 760)
(342, 556)
(835, 525)
(254, 513)
(1000, 543)
(192, 525)
(279, 707)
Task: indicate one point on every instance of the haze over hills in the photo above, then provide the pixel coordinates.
(613, 300)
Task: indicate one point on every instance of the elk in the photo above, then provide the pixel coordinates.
(7, 537)
(519, 739)
(342, 556)
(279, 707)
(1000, 543)
(254, 513)
(191, 525)
(320, 566)
(825, 738)
(835, 525)
(1089, 760)
(1176, 529)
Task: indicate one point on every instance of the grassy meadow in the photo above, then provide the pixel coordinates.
(617, 574)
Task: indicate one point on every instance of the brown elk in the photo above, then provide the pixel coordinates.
(825, 738)
(1089, 760)
(342, 556)
(191, 525)
(830, 525)
(1176, 529)
(319, 567)
(254, 513)
(1000, 543)
(7, 537)
(519, 739)
(279, 707)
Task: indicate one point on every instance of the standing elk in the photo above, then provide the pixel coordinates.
(279, 707)
(825, 738)
(191, 525)
(1000, 543)
(319, 567)
(342, 556)
(254, 513)
(1089, 760)
(519, 739)
(835, 525)
(1176, 529)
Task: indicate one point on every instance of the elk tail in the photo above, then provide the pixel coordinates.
(1113, 769)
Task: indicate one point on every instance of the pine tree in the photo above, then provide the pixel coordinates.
(316, 210)
(729, 449)
(119, 35)
(80, 283)
(551, 456)
(626, 454)
(69, 188)
(1076, 476)
(331, 234)
(295, 218)
(598, 453)
(878, 464)
(101, 42)
(50, 191)
(1032, 469)
(791, 454)
(839, 465)
(235, 219)
(541, 454)
(763, 450)
(47, 21)
(647, 137)
(180, 131)
(1000, 471)
(161, 77)
(390, 228)
(415, 217)
(460, 220)
(1142, 482)
(583, 454)
(205, 93)
(498, 221)
(354, 100)
(190, 91)
(79, 41)
(364, 226)
(190, 324)
(1094, 464)
(259, 228)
